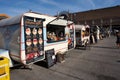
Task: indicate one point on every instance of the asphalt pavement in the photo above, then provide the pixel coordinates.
(100, 62)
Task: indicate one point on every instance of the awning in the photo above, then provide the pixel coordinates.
(60, 22)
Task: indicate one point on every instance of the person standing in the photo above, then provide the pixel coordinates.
(118, 39)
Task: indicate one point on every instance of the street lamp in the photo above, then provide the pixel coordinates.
(74, 16)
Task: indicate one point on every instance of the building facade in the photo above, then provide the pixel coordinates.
(102, 17)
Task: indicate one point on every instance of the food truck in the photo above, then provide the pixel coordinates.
(70, 35)
(82, 35)
(23, 36)
(30, 35)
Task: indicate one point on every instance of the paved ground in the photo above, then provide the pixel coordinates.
(101, 62)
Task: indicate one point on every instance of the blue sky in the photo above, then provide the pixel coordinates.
(52, 7)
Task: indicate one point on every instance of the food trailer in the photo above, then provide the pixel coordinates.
(29, 36)
(23, 37)
(82, 35)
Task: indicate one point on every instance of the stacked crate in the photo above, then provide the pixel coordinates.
(4, 69)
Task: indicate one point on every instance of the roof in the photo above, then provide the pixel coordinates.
(10, 21)
(81, 27)
(48, 19)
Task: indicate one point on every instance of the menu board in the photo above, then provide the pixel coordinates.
(34, 44)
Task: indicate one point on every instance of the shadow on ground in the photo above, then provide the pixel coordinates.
(103, 77)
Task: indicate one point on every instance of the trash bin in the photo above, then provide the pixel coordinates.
(4, 68)
(50, 57)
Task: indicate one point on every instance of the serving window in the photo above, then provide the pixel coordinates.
(87, 32)
(55, 33)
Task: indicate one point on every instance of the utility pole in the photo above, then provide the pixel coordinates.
(110, 30)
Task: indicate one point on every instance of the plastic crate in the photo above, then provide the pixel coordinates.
(50, 57)
(4, 69)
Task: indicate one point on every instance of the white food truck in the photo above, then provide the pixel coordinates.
(82, 35)
(28, 36)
